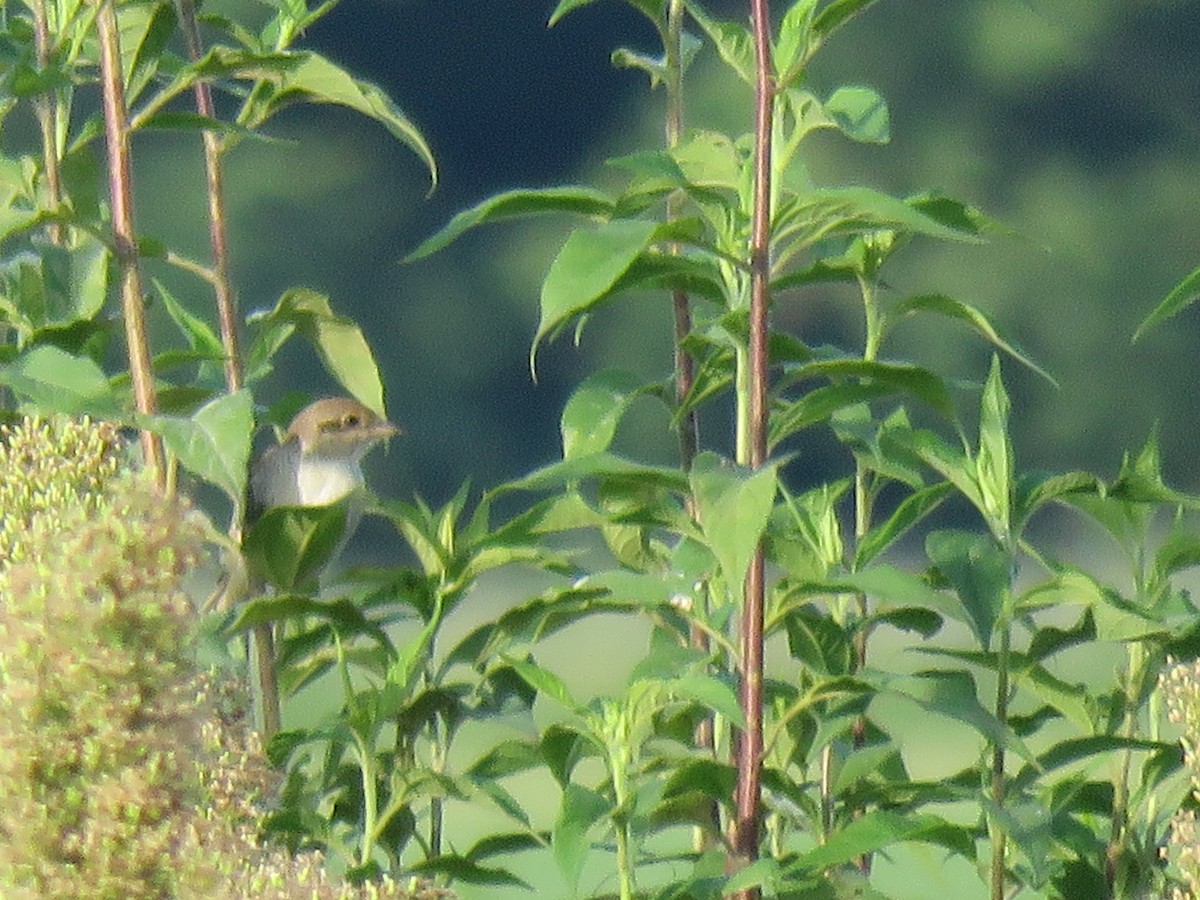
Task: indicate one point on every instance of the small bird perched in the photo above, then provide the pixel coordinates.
(317, 463)
(319, 460)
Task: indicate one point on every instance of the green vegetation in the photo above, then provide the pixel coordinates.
(815, 634)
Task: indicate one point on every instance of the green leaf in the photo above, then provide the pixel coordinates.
(712, 693)
(145, 30)
(655, 10)
(597, 465)
(734, 43)
(580, 809)
(339, 343)
(290, 545)
(823, 646)
(912, 379)
(1180, 297)
(214, 444)
(981, 574)
(860, 113)
(545, 682)
(924, 622)
(590, 417)
(912, 509)
(880, 828)
(734, 505)
(953, 695)
(321, 81)
(948, 307)
(55, 381)
(994, 464)
(1037, 490)
(812, 216)
(791, 50)
(195, 331)
(584, 201)
(586, 268)
(837, 14)
(466, 871)
(949, 462)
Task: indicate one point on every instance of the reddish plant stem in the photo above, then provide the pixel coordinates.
(748, 799)
(217, 218)
(120, 189)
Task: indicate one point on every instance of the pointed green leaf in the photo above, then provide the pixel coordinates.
(214, 443)
(994, 464)
(590, 417)
(954, 695)
(1180, 297)
(580, 809)
(837, 14)
(339, 343)
(948, 307)
(584, 201)
(734, 43)
(861, 113)
(545, 682)
(55, 381)
(586, 268)
(981, 574)
(912, 509)
(322, 81)
(734, 505)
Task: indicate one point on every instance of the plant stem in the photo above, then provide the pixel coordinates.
(998, 837)
(120, 189)
(47, 116)
(750, 754)
(217, 218)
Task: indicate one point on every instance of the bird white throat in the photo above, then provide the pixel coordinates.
(319, 460)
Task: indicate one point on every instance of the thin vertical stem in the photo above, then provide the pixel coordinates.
(750, 752)
(120, 189)
(685, 367)
(998, 785)
(47, 116)
(217, 218)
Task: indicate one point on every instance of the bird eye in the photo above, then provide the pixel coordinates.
(350, 420)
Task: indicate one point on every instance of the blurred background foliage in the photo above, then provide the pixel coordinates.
(1074, 122)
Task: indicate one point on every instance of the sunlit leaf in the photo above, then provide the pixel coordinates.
(319, 80)
(861, 113)
(586, 267)
(734, 505)
(994, 463)
(950, 308)
(339, 343)
(590, 417)
(214, 443)
(55, 381)
(584, 201)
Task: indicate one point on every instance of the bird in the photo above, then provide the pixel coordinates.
(318, 463)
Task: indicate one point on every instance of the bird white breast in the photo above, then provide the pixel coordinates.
(322, 480)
